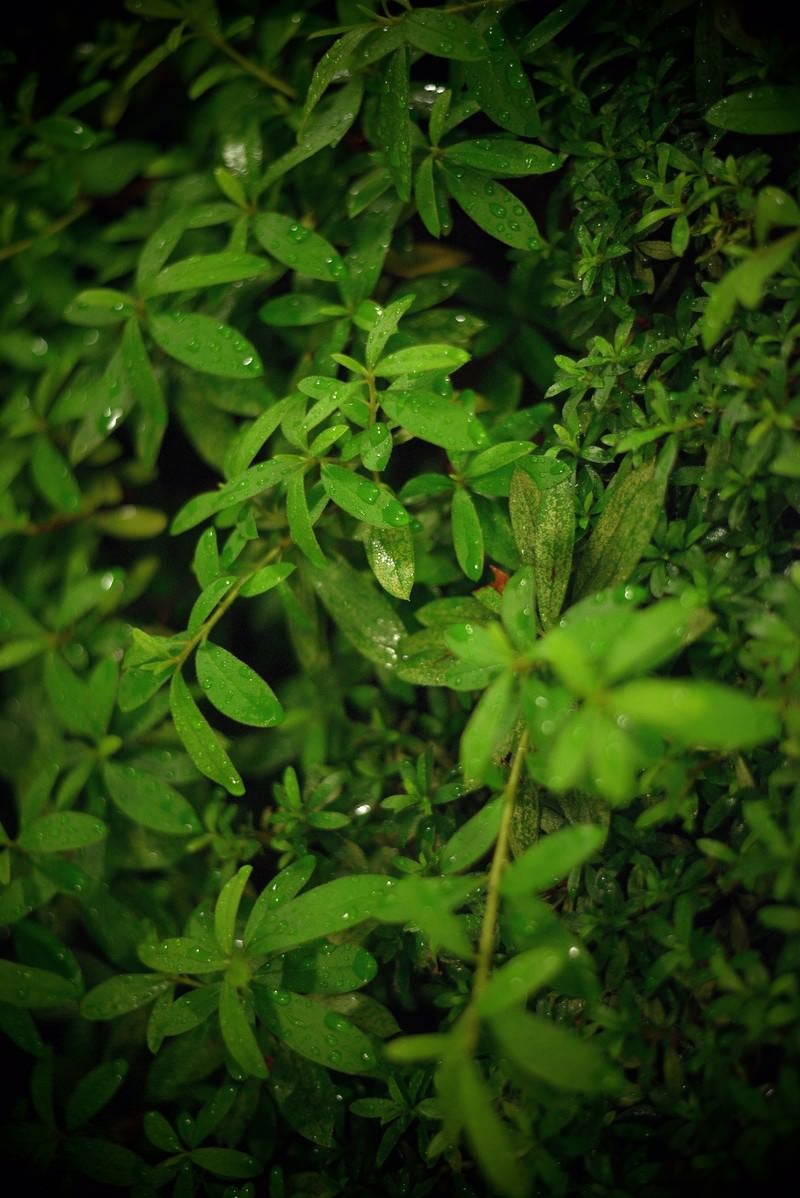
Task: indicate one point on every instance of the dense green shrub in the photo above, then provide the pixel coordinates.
(419, 811)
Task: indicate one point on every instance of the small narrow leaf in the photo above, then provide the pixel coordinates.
(227, 907)
(487, 728)
(238, 1035)
(473, 839)
(467, 534)
(199, 740)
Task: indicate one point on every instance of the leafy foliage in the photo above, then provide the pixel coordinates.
(399, 619)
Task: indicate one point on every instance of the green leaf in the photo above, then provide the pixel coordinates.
(503, 157)
(467, 534)
(385, 326)
(61, 832)
(419, 358)
(487, 1135)
(299, 520)
(142, 380)
(390, 553)
(551, 1053)
(205, 270)
(53, 478)
(311, 1030)
(488, 727)
(93, 1092)
(299, 248)
(242, 487)
(226, 1162)
(499, 82)
(70, 698)
(238, 1035)
(551, 859)
(518, 608)
(473, 839)
(121, 994)
(430, 199)
(27, 986)
(432, 418)
(99, 306)
(292, 311)
(427, 904)
(328, 969)
(284, 886)
(199, 740)
(333, 61)
(149, 801)
(265, 579)
(14, 653)
(235, 689)
(371, 502)
(763, 109)
(443, 34)
(362, 613)
(227, 908)
(635, 501)
(394, 125)
(651, 637)
(190, 1010)
(252, 437)
(181, 954)
(203, 343)
(324, 129)
(551, 25)
(334, 907)
(493, 207)
(541, 505)
(702, 714)
(513, 983)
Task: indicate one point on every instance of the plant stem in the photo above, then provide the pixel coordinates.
(252, 68)
(489, 925)
(219, 612)
(18, 247)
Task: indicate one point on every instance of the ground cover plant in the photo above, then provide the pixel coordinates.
(399, 605)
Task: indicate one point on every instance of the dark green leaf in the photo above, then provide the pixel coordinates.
(238, 1035)
(313, 1031)
(299, 248)
(149, 801)
(493, 207)
(443, 34)
(760, 109)
(61, 832)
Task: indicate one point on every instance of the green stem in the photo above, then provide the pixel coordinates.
(219, 612)
(489, 924)
(18, 247)
(246, 64)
